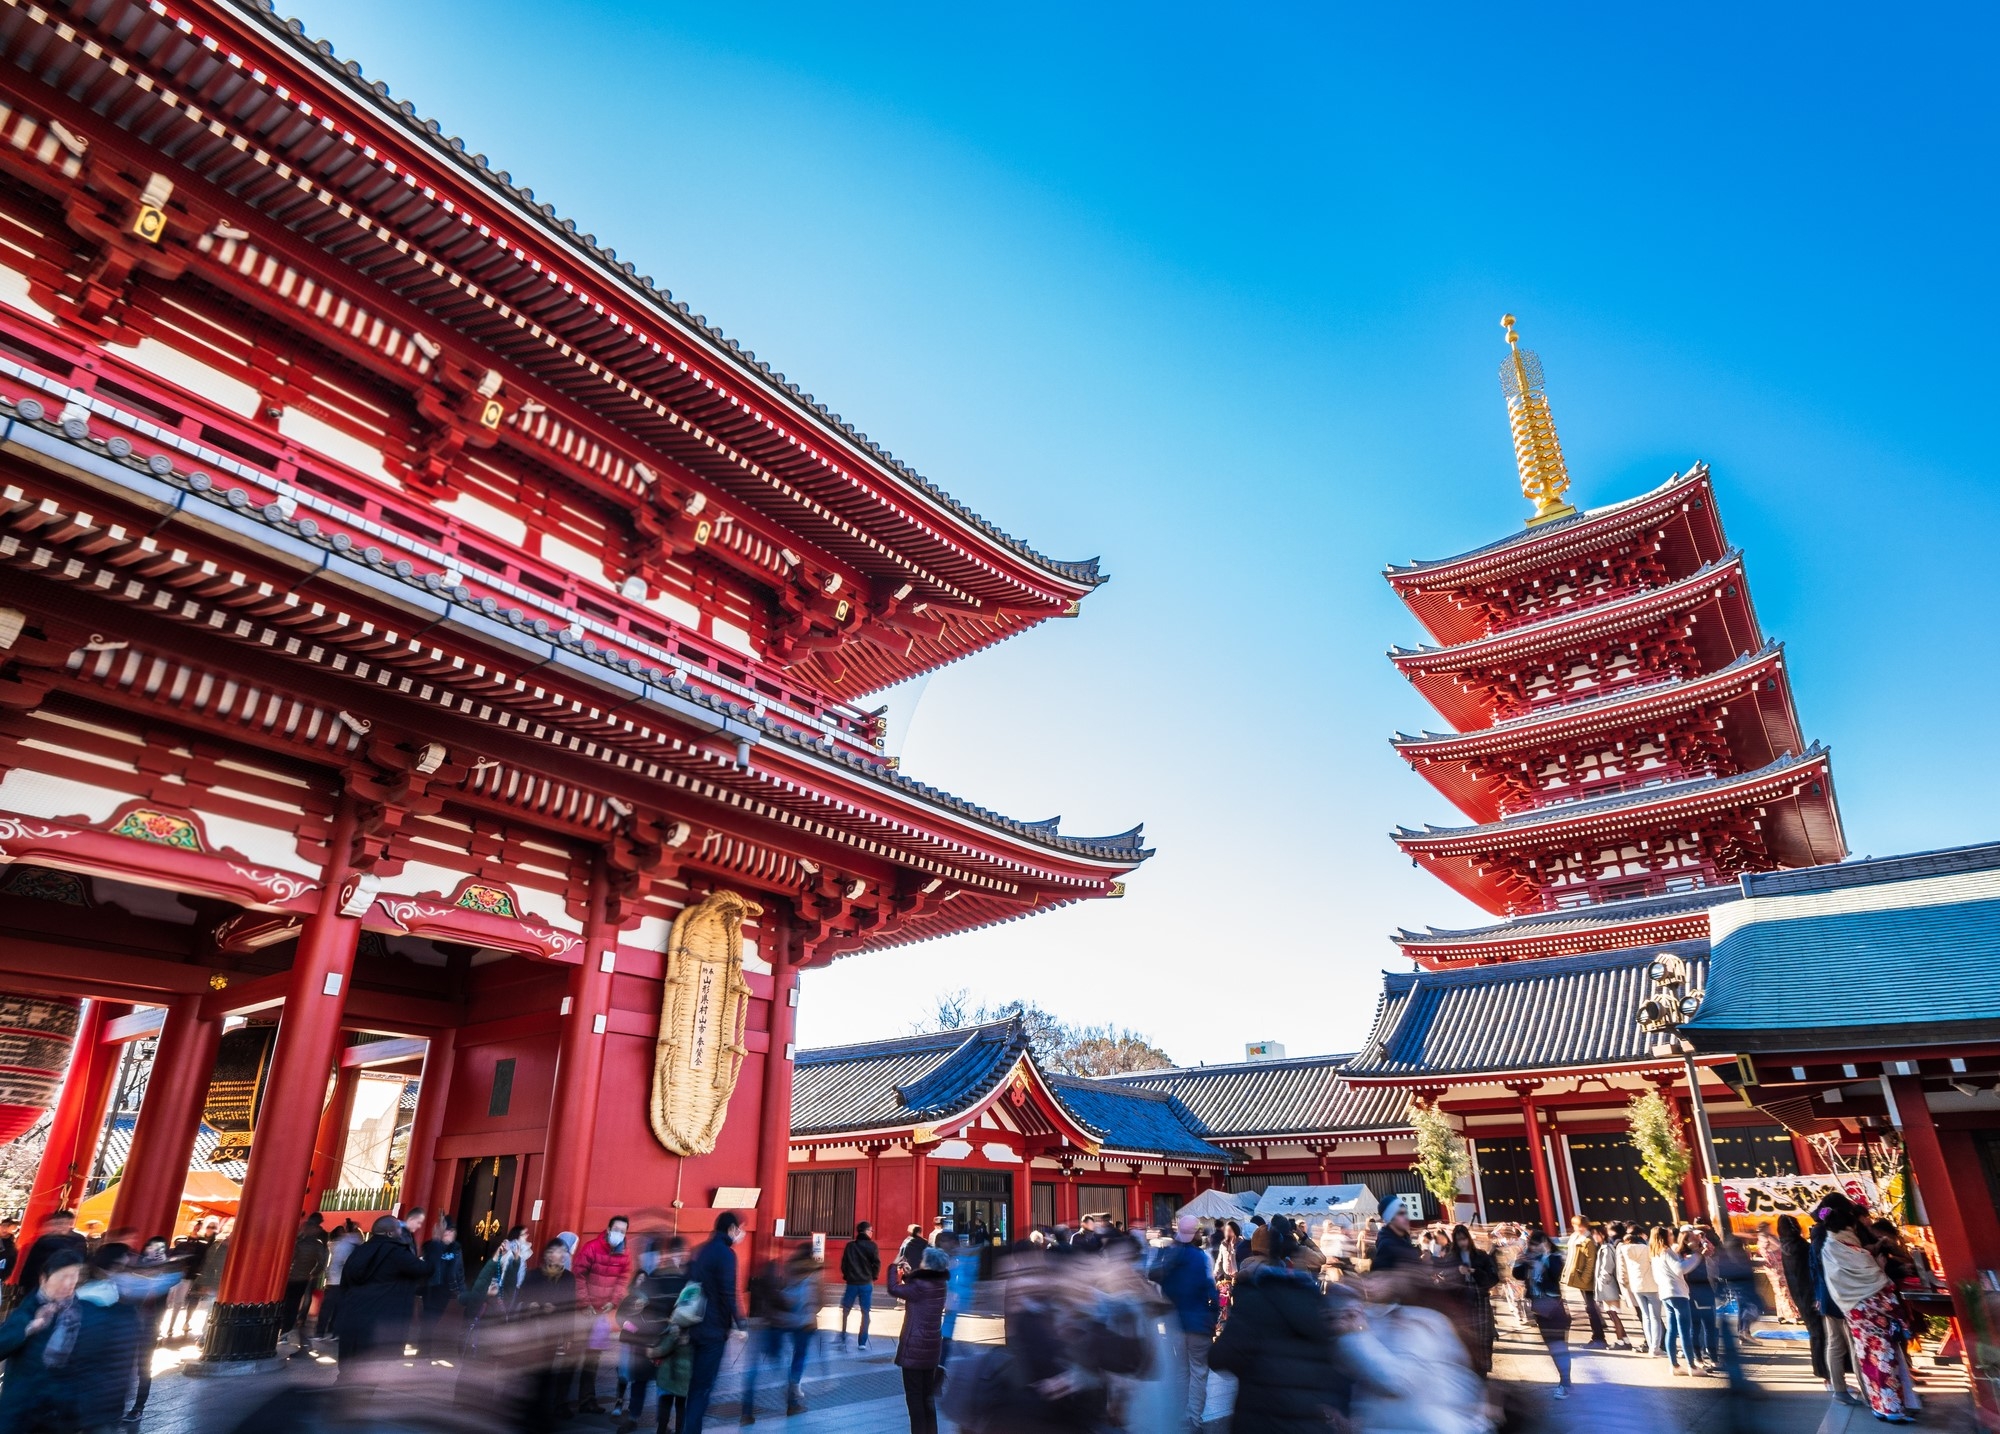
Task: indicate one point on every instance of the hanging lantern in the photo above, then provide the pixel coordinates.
(36, 1034)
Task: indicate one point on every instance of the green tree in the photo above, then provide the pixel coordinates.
(1441, 1161)
(1663, 1155)
(1058, 1046)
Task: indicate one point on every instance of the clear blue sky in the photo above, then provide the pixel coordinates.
(1214, 293)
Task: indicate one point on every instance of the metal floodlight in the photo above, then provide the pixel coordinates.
(1690, 1003)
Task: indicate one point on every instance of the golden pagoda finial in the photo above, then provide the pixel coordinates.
(1537, 451)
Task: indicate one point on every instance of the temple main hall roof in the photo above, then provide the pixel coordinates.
(1484, 1024)
(1301, 1096)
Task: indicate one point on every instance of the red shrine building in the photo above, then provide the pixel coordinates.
(1624, 746)
(965, 1130)
(429, 648)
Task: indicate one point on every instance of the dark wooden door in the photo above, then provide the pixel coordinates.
(485, 1205)
(1506, 1180)
(1608, 1183)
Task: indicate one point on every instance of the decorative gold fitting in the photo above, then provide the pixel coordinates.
(492, 413)
(217, 981)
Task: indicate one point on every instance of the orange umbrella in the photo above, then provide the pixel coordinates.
(206, 1192)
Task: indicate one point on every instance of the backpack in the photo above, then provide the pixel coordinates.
(690, 1309)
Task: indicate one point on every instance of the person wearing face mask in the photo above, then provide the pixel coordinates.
(491, 1296)
(70, 1351)
(603, 1269)
(545, 1313)
(714, 1269)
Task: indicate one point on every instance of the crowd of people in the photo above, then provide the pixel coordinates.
(1387, 1327)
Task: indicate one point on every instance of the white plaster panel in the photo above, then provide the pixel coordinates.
(952, 1150)
(14, 293)
(678, 609)
(204, 380)
(730, 635)
(323, 438)
(41, 794)
(266, 846)
(487, 519)
(574, 559)
(994, 1150)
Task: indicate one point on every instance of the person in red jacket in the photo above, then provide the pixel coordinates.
(603, 1270)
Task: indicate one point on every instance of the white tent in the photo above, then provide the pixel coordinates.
(1214, 1205)
(1343, 1204)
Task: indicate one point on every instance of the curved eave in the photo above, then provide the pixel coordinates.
(1802, 828)
(1445, 954)
(1440, 759)
(368, 151)
(1420, 1077)
(1435, 671)
(1427, 587)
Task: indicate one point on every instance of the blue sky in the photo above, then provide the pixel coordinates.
(1215, 293)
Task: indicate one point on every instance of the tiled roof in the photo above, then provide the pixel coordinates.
(1303, 1095)
(1545, 530)
(1582, 918)
(118, 1147)
(1594, 806)
(1133, 1118)
(1558, 1013)
(1897, 950)
(454, 153)
(907, 1080)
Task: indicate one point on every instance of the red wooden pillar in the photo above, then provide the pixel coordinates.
(330, 1141)
(1802, 1152)
(99, 1077)
(921, 1214)
(1544, 1193)
(1941, 1196)
(579, 1068)
(149, 1193)
(1136, 1217)
(244, 1327)
(874, 1206)
(433, 1088)
(1697, 1176)
(774, 1114)
(52, 1176)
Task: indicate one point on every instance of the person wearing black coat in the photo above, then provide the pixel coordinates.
(1280, 1343)
(546, 1333)
(1795, 1262)
(920, 1347)
(58, 1233)
(860, 1267)
(714, 1269)
(308, 1266)
(70, 1355)
(444, 1285)
(379, 1287)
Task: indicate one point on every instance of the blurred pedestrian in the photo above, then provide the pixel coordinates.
(860, 1267)
(1795, 1267)
(911, 1251)
(1540, 1273)
(1471, 1274)
(1394, 1249)
(714, 1269)
(1670, 1276)
(1580, 1274)
(1698, 1251)
(544, 1333)
(1184, 1276)
(343, 1243)
(1635, 1274)
(603, 1268)
(1605, 1288)
(920, 1346)
(58, 1232)
(1408, 1372)
(642, 1322)
(1279, 1343)
(1833, 1318)
(10, 1250)
(1856, 1280)
(69, 1349)
(491, 1296)
(379, 1292)
(309, 1253)
(443, 1287)
(143, 1281)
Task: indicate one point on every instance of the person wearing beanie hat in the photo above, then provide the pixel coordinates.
(1394, 1248)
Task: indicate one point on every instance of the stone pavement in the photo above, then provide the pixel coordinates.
(853, 1391)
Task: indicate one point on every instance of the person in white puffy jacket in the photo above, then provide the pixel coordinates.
(1635, 1274)
(1410, 1373)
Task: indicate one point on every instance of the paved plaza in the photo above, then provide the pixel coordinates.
(854, 1391)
